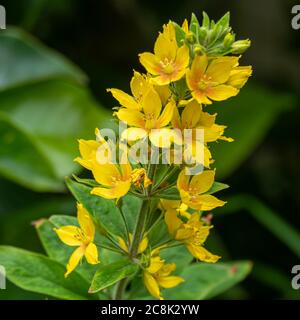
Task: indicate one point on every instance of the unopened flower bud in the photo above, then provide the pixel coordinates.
(240, 46)
(228, 40)
(198, 49)
(190, 37)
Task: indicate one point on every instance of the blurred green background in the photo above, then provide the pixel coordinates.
(47, 103)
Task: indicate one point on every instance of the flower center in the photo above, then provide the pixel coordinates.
(204, 82)
(149, 116)
(167, 66)
(81, 236)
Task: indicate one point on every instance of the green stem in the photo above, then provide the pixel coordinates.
(142, 216)
(139, 229)
(125, 224)
(120, 289)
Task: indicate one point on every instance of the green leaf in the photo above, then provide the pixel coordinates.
(224, 21)
(104, 211)
(37, 273)
(88, 182)
(205, 20)
(43, 111)
(20, 51)
(22, 160)
(217, 186)
(194, 25)
(180, 34)
(110, 274)
(255, 110)
(178, 255)
(171, 194)
(205, 281)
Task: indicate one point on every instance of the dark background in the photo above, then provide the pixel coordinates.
(104, 38)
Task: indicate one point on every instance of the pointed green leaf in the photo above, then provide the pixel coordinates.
(37, 273)
(205, 281)
(170, 194)
(217, 186)
(205, 20)
(110, 274)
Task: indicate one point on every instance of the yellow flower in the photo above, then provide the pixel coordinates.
(158, 275)
(151, 116)
(81, 237)
(192, 190)
(192, 233)
(88, 150)
(142, 246)
(193, 117)
(115, 179)
(207, 79)
(139, 85)
(169, 62)
(140, 175)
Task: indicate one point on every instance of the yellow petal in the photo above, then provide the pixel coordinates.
(131, 117)
(143, 245)
(167, 114)
(169, 204)
(151, 104)
(91, 254)
(123, 244)
(183, 181)
(165, 48)
(198, 69)
(182, 58)
(138, 85)
(201, 96)
(191, 115)
(69, 235)
(170, 281)
(151, 285)
(164, 93)
(207, 119)
(150, 62)
(85, 221)
(124, 99)
(156, 263)
(219, 69)
(118, 191)
(222, 92)
(74, 260)
(207, 202)
(88, 148)
(239, 76)
(126, 170)
(106, 174)
(184, 234)
(185, 26)
(202, 254)
(176, 120)
(133, 134)
(172, 221)
(163, 138)
(202, 182)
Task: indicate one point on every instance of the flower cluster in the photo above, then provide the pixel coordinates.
(192, 66)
